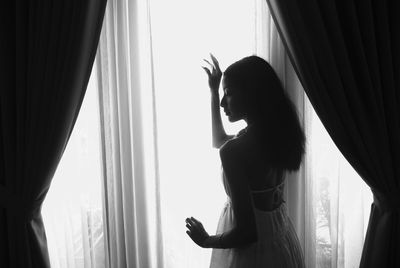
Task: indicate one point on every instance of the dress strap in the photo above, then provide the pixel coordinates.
(273, 194)
(275, 188)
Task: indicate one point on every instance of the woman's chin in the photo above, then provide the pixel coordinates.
(232, 118)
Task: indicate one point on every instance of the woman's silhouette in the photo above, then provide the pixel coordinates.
(254, 229)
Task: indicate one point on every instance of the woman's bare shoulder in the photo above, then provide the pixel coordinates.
(238, 147)
(232, 149)
(246, 148)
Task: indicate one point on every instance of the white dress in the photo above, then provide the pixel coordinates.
(277, 244)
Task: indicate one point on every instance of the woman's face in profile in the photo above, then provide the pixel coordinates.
(233, 101)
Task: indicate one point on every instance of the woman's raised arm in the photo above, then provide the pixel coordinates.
(219, 136)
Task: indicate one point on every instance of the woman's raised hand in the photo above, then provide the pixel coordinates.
(214, 74)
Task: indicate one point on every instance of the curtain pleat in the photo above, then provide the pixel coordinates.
(346, 54)
(130, 165)
(47, 52)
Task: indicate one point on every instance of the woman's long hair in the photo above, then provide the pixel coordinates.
(277, 122)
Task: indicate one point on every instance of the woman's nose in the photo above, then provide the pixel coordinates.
(223, 102)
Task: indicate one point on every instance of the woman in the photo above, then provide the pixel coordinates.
(254, 229)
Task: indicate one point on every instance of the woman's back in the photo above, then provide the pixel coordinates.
(262, 178)
(277, 244)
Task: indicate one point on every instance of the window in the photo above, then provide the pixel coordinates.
(72, 210)
(341, 201)
(183, 34)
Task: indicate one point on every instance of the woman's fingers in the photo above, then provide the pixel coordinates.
(193, 223)
(209, 63)
(215, 61)
(190, 222)
(214, 68)
(214, 65)
(196, 221)
(207, 70)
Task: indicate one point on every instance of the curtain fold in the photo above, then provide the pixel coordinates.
(347, 56)
(47, 50)
(130, 173)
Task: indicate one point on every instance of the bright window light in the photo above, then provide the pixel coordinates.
(72, 210)
(184, 33)
(342, 201)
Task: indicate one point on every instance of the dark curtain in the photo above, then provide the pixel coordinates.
(347, 56)
(47, 49)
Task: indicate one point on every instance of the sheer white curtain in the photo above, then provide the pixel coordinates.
(130, 169)
(159, 166)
